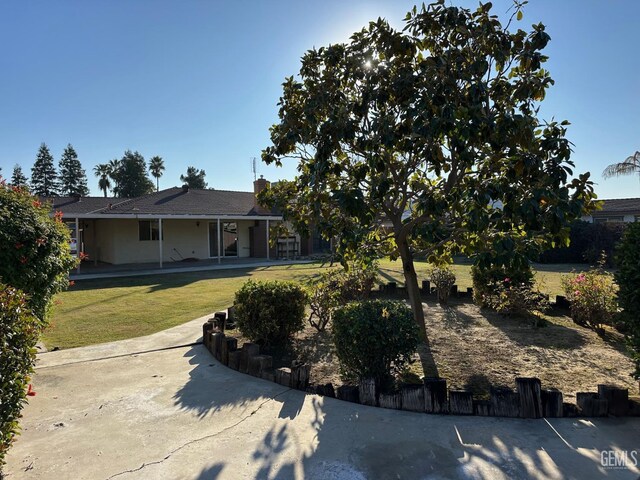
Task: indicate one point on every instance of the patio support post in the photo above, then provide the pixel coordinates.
(267, 239)
(160, 239)
(78, 242)
(218, 233)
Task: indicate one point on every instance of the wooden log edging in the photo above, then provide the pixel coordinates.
(528, 400)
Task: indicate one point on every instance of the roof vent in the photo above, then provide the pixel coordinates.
(185, 188)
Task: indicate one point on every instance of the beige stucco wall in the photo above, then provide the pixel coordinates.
(117, 241)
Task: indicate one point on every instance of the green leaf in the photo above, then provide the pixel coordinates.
(519, 15)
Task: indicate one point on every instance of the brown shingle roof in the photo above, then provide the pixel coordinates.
(80, 205)
(172, 201)
(620, 205)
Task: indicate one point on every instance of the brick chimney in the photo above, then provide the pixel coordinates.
(259, 185)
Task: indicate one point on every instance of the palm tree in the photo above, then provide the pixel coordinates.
(114, 169)
(630, 166)
(156, 167)
(103, 170)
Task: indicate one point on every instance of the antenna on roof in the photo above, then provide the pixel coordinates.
(253, 168)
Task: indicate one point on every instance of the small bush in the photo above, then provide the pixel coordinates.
(522, 300)
(443, 279)
(509, 291)
(490, 281)
(19, 331)
(593, 297)
(628, 280)
(374, 338)
(335, 288)
(270, 312)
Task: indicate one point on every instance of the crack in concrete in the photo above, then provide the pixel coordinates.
(190, 442)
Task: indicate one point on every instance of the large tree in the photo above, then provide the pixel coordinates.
(103, 171)
(156, 167)
(18, 179)
(44, 178)
(130, 177)
(427, 141)
(194, 178)
(73, 179)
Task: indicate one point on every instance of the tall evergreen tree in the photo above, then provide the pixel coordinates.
(194, 178)
(131, 176)
(73, 179)
(102, 171)
(156, 167)
(18, 179)
(44, 179)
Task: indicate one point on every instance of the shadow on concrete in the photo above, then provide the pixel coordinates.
(211, 473)
(330, 439)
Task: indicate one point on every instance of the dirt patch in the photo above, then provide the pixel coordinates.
(474, 349)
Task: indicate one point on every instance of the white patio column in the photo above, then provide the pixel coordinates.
(78, 242)
(218, 233)
(160, 239)
(267, 239)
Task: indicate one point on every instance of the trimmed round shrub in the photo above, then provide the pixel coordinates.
(270, 312)
(19, 330)
(35, 256)
(374, 339)
(628, 279)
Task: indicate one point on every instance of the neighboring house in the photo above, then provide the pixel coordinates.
(618, 210)
(174, 224)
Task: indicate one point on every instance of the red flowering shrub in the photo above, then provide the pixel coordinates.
(19, 330)
(34, 248)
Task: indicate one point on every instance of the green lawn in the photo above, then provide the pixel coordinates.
(96, 311)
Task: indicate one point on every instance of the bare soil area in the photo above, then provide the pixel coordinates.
(475, 349)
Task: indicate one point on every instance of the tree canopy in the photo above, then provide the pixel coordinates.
(44, 178)
(18, 179)
(427, 141)
(194, 178)
(130, 175)
(73, 179)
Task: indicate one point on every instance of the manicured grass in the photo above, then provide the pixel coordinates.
(97, 311)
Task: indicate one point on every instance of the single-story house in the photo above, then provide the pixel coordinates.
(617, 210)
(174, 224)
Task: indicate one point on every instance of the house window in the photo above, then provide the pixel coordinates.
(148, 230)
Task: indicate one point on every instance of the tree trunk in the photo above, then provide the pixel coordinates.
(411, 282)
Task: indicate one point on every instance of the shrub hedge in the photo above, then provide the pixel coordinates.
(374, 338)
(19, 330)
(628, 279)
(270, 312)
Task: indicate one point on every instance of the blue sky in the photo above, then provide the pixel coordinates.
(197, 82)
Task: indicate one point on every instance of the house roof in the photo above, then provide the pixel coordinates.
(619, 205)
(77, 205)
(172, 201)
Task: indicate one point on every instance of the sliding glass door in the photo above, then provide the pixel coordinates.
(228, 239)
